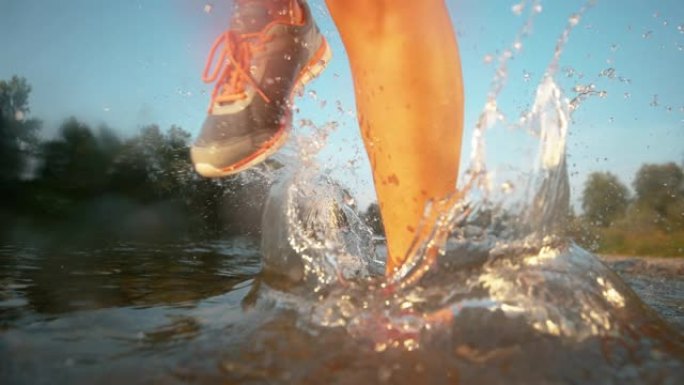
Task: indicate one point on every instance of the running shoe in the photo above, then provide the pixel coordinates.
(257, 65)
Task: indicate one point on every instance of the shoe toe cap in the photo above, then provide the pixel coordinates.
(215, 160)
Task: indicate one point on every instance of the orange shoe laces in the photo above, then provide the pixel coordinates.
(231, 73)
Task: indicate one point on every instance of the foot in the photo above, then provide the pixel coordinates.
(263, 59)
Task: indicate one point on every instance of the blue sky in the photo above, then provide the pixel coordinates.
(128, 63)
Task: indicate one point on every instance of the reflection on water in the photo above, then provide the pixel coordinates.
(60, 281)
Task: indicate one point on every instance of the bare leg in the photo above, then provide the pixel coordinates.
(409, 95)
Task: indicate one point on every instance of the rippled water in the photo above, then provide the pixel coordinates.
(495, 294)
(201, 314)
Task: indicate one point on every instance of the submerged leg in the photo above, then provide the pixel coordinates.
(409, 96)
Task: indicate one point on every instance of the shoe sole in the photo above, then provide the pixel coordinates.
(313, 68)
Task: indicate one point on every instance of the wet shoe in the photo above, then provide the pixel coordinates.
(261, 63)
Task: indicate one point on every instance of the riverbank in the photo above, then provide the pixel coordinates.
(659, 281)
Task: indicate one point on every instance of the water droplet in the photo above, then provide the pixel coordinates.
(569, 72)
(583, 89)
(627, 95)
(18, 115)
(654, 101)
(208, 8)
(611, 120)
(313, 95)
(517, 45)
(518, 8)
(680, 28)
(614, 47)
(537, 8)
(287, 57)
(574, 19)
(488, 58)
(608, 72)
(526, 76)
(647, 34)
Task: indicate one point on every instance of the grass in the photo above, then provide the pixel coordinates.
(649, 243)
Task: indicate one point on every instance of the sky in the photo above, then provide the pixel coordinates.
(129, 63)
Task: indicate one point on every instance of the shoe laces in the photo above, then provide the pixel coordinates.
(233, 52)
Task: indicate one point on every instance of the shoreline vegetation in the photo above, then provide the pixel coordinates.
(649, 222)
(90, 185)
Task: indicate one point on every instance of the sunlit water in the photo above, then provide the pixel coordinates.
(495, 294)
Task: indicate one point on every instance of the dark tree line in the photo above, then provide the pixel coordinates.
(93, 177)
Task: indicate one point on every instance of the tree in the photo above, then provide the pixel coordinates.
(74, 162)
(660, 188)
(605, 198)
(17, 133)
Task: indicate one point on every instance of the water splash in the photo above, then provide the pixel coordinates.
(507, 266)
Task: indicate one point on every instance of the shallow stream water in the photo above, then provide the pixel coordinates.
(495, 294)
(201, 314)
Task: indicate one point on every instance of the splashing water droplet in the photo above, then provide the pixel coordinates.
(537, 8)
(488, 58)
(208, 8)
(627, 95)
(654, 101)
(608, 72)
(517, 9)
(574, 19)
(647, 34)
(583, 89)
(680, 28)
(569, 72)
(526, 76)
